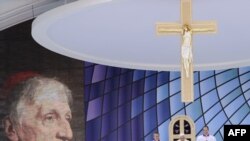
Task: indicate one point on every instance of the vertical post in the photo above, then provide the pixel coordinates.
(187, 88)
(186, 12)
(187, 91)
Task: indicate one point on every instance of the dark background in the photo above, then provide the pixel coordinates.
(237, 136)
(19, 52)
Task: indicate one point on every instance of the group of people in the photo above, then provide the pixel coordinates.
(204, 137)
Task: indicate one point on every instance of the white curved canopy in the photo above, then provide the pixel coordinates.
(122, 33)
(13, 12)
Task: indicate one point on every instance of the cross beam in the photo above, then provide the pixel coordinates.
(185, 28)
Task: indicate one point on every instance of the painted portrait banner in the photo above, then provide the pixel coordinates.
(41, 92)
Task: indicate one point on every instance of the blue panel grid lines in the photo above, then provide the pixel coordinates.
(130, 105)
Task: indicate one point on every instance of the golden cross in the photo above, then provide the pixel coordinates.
(186, 28)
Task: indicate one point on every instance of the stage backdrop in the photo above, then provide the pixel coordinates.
(19, 52)
(130, 105)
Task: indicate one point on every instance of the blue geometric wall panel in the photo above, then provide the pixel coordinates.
(130, 105)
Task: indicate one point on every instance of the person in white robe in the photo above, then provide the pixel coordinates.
(182, 137)
(206, 136)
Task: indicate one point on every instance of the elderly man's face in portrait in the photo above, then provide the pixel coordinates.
(46, 121)
(45, 118)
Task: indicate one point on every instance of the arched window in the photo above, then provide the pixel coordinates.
(181, 124)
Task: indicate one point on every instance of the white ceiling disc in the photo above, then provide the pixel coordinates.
(122, 33)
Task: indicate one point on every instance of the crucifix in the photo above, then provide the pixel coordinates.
(186, 28)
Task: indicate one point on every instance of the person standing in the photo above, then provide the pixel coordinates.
(206, 136)
(156, 136)
(182, 137)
